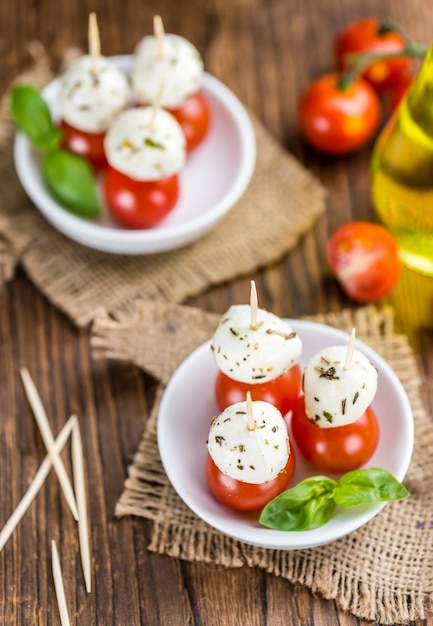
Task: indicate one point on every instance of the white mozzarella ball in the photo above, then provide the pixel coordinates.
(175, 73)
(251, 456)
(88, 99)
(254, 355)
(145, 144)
(335, 396)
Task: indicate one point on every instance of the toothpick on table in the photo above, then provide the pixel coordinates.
(47, 436)
(94, 42)
(251, 425)
(80, 492)
(36, 484)
(58, 584)
(349, 353)
(159, 32)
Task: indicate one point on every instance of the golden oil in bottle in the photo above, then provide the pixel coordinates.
(402, 173)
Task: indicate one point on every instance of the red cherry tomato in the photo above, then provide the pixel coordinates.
(139, 204)
(364, 258)
(246, 496)
(396, 93)
(335, 450)
(89, 145)
(282, 392)
(194, 117)
(338, 120)
(370, 35)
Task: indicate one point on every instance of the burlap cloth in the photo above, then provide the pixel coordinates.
(281, 203)
(382, 572)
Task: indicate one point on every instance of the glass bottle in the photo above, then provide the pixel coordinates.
(401, 175)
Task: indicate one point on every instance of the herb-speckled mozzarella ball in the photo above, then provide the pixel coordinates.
(251, 456)
(335, 396)
(145, 144)
(178, 71)
(90, 100)
(254, 355)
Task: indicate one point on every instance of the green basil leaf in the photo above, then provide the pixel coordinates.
(32, 115)
(70, 179)
(368, 486)
(306, 506)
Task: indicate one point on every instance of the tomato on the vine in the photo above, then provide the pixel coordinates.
(396, 93)
(364, 258)
(136, 203)
(370, 35)
(246, 496)
(335, 450)
(282, 392)
(194, 118)
(88, 145)
(338, 118)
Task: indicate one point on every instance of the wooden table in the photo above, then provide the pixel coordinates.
(266, 52)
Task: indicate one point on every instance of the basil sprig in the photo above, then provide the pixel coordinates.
(68, 176)
(312, 502)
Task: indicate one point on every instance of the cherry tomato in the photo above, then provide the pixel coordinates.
(246, 496)
(338, 119)
(367, 36)
(335, 450)
(282, 392)
(139, 204)
(89, 145)
(194, 117)
(364, 258)
(396, 93)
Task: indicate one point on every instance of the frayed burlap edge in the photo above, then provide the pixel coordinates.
(356, 571)
(155, 336)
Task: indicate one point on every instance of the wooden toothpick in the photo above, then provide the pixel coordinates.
(349, 352)
(251, 425)
(59, 586)
(254, 307)
(156, 106)
(80, 493)
(94, 42)
(159, 32)
(47, 436)
(36, 484)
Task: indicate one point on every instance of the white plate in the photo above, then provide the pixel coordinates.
(188, 406)
(214, 178)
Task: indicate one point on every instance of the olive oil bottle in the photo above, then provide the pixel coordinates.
(401, 175)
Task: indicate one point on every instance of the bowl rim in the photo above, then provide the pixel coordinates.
(126, 241)
(274, 539)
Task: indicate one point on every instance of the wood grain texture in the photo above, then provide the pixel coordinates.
(266, 55)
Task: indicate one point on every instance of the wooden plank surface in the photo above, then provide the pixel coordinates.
(266, 52)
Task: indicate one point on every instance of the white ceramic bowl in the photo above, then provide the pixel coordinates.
(188, 406)
(214, 178)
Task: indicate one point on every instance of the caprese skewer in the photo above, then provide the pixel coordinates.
(93, 91)
(171, 64)
(333, 424)
(250, 460)
(145, 150)
(256, 351)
